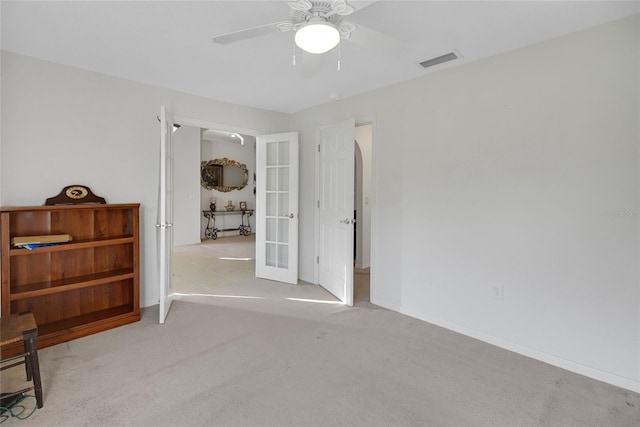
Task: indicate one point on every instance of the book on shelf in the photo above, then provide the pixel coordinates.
(23, 241)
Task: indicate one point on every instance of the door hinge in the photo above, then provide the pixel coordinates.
(318, 203)
(317, 260)
(318, 148)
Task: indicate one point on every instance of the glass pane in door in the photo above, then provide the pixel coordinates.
(271, 207)
(283, 230)
(283, 178)
(272, 179)
(283, 256)
(272, 231)
(283, 153)
(272, 154)
(283, 204)
(271, 254)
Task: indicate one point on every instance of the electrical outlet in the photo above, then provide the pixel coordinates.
(498, 292)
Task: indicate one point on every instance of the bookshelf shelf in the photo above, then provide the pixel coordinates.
(70, 246)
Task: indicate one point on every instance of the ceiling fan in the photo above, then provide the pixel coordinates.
(318, 26)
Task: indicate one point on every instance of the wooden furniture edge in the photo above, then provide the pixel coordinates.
(69, 207)
(72, 332)
(5, 308)
(59, 337)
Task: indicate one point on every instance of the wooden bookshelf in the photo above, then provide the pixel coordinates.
(77, 288)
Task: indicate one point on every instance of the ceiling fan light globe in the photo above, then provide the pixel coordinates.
(317, 37)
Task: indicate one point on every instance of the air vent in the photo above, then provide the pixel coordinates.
(439, 60)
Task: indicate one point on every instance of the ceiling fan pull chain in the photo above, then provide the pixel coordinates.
(294, 52)
(339, 55)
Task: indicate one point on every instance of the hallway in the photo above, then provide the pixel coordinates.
(226, 268)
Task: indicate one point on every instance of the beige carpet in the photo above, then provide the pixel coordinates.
(285, 355)
(226, 266)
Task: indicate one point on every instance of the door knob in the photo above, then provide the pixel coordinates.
(291, 215)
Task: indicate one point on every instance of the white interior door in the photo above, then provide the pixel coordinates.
(277, 207)
(336, 222)
(164, 222)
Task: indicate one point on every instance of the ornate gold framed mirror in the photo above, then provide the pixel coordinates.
(223, 175)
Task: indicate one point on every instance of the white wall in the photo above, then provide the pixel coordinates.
(186, 185)
(521, 171)
(245, 154)
(61, 125)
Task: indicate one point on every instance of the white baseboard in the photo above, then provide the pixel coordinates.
(145, 304)
(569, 365)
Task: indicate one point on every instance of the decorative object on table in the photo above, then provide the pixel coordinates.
(73, 195)
(230, 206)
(212, 205)
(243, 206)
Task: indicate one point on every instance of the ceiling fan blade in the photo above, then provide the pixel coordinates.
(249, 33)
(340, 7)
(375, 39)
(300, 5)
(359, 5)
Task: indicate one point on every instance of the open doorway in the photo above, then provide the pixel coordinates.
(214, 241)
(197, 189)
(343, 189)
(362, 202)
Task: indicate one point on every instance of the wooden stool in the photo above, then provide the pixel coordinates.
(22, 327)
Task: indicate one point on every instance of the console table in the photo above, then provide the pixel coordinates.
(244, 229)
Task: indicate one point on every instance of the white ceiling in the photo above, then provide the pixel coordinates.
(168, 43)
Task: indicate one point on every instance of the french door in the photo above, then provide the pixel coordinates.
(277, 207)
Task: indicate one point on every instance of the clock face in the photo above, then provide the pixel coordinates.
(77, 192)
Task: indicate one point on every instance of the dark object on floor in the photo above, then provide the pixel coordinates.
(7, 400)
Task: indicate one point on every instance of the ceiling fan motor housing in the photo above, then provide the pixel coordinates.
(304, 11)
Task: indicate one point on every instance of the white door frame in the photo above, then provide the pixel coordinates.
(372, 199)
(165, 213)
(212, 125)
